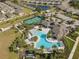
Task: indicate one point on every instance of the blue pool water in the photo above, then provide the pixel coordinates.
(43, 42)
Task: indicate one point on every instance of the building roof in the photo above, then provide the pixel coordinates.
(7, 9)
(2, 16)
(13, 5)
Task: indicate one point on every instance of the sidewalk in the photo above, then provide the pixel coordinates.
(70, 38)
(74, 48)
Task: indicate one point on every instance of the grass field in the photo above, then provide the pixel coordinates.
(69, 43)
(68, 46)
(73, 35)
(27, 10)
(76, 55)
(6, 39)
(77, 29)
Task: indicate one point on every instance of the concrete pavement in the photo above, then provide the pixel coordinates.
(74, 49)
(70, 38)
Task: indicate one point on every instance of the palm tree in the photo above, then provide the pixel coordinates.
(44, 3)
(46, 55)
(25, 34)
(38, 9)
(41, 54)
(15, 1)
(54, 50)
(42, 48)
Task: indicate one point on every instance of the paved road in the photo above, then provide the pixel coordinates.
(73, 49)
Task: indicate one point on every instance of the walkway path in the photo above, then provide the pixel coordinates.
(18, 28)
(77, 32)
(74, 48)
(70, 38)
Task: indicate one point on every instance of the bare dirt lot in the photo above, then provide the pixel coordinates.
(6, 39)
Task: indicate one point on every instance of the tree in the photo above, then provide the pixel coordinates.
(49, 34)
(38, 9)
(42, 48)
(15, 1)
(45, 3)
(25, 34)
(74, 3)
(54, 50)
(17, 43)
(10, 49)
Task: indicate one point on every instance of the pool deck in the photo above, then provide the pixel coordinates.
(45, 30)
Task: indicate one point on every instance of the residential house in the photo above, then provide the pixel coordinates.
(48, 2)
(4, 8)
(59, 30)
(18, 9)
(2, 17)
(28, 55)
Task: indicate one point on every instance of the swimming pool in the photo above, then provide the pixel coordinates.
(33, 20)
(43, 42)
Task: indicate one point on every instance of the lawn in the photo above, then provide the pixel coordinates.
(13, 56)
(69, 43)
(73, 35)
(68, 46)
(54, 10)
(27, 10)
(76, 55)
(77, 29)
(6, 39)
